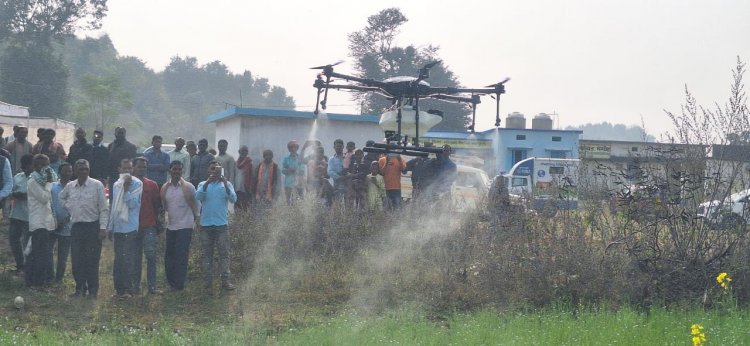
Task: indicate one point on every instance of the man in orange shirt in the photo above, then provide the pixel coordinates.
(391, 166)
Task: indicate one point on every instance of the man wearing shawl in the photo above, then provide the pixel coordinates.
(267, 180)
(123, 227)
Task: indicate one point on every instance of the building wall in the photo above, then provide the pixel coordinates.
(260, 133)
(532, 143)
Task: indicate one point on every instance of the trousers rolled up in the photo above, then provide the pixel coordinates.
(215, 237)
(85, 253)
(176, 256)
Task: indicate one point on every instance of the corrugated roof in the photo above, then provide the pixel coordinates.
(286, 113)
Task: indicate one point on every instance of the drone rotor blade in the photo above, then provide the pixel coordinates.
(323, 67)
(498, 84)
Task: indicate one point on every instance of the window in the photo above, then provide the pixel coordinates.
(515, 182)
(634, 149)
(557, 170)
(517, 155)
(558, 154)
(520, 137)
(556, 139)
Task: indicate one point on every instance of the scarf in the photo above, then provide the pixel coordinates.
(119, 207)
(189, 197)
(270, 181)
(41, 179)
(245, 164)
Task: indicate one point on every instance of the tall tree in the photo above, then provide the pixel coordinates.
(43, 20)
(33, 74)
(106, 99)
(377, 57)
(35, 77)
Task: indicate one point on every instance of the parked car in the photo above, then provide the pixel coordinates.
(471, 186)
(732, 212)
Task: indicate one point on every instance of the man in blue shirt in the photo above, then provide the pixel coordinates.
(158, 161)
(123, 227)
(214, 193)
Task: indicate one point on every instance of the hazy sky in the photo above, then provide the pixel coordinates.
(588, 61)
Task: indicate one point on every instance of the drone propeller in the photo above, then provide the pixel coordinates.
(432, 64)
(498, 84)
(323, 67)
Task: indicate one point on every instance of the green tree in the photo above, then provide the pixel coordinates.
(106, 99)
(43, 20)
(377, 57)
(34, 76)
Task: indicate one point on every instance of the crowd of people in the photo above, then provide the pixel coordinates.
(74, 201)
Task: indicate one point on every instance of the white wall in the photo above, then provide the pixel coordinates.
(260, 133)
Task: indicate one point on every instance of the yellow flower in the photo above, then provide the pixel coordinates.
(723, 279)
(698, 337)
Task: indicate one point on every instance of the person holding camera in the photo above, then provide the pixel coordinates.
(214, 193)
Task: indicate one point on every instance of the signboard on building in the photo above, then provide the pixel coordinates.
(459, 143)
(595, 151)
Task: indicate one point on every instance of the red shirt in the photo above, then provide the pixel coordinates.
(150, 204)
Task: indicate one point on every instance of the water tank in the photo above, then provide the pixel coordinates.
(515, 120)
(541, 121)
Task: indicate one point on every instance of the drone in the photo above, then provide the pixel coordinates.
(405, 92)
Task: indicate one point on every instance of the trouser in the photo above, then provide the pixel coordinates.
(394, 198)
(127, 256)
(18, 236)
(85, 252)
(215, 236)
(63, 249)
(290, 192)
(149, 238)
(176, 256)
(243, 200)
(37, 260)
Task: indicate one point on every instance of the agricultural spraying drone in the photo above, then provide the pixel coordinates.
(405, 92)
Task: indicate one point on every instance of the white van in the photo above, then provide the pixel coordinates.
(471, 186)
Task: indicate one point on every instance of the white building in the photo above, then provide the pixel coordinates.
(11, 115)
(262, 129)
